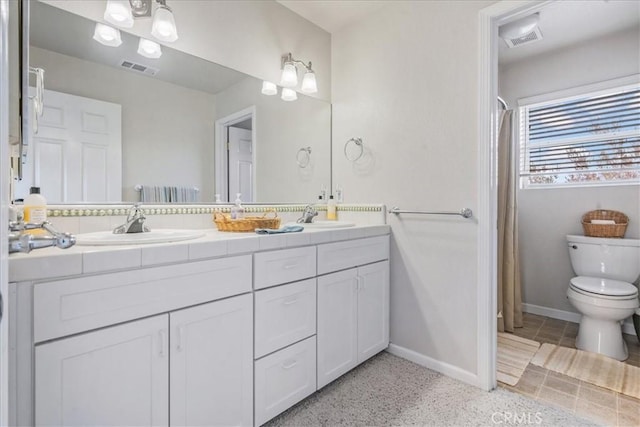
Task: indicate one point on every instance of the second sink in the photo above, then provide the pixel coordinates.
(107, 238)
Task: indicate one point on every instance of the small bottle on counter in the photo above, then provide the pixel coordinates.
(35, 207)
(237, 210)
(332, 213)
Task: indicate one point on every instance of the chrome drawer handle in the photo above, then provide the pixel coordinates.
(290, 266)
(290, 365)
(290, 301)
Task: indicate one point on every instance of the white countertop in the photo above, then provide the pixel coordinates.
(52, 263)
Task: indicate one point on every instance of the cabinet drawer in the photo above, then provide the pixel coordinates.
(352, 253)
(284, 378)
(70, 306)
(284, 315)
(277, 267)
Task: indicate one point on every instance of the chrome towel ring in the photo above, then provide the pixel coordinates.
(303, 157)
(358, 143)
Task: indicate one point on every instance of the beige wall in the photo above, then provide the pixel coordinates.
(248, 36)
(405, 80)
(547, 215)
(167, 130)
(283, 128)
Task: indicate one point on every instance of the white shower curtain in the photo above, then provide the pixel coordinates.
(509, 287)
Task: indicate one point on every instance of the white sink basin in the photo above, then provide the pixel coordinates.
(107, 238)
(328, 224)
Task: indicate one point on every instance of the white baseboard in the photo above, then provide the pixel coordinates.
(569, 316)
(436, 365)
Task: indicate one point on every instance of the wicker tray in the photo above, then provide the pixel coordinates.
(605, 230)
(246, 224)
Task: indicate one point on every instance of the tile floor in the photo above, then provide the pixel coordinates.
(580, 398)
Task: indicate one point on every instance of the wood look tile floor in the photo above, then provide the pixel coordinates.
(598, 404)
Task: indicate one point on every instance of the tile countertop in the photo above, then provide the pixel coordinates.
(50, 263)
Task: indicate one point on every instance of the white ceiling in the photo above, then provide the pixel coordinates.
(332, 15)
(562, 23)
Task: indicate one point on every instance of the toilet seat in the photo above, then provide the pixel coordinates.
(603, 288)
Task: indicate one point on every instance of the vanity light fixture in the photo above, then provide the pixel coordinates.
(288, 94)
(289, 78)
(269, 88)
(118, 12)
(164, 25)
(107, 35)
(149, 49)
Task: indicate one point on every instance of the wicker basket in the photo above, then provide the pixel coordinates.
(605, 230)
(246, 224)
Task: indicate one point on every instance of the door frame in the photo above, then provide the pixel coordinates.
(221, 154)
(490, 18)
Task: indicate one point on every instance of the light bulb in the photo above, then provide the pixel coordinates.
(118, 12)
(149, 49)
(269, 88)
(288, 94)
(107, 35)
(164, 26)
(289, 75)
(309, 83)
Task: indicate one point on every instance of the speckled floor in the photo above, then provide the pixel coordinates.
(390, 391)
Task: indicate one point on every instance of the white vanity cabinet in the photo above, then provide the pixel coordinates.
(113, 376)
(353, 305)
(120, 375)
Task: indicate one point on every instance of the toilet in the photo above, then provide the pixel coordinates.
(603, 291)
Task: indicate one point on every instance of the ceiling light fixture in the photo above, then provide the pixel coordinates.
(149, 49)
(107, 35)
(289, 78)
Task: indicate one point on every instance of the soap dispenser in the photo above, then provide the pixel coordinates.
(332, 213)
(237, 210)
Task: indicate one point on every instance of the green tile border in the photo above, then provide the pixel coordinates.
(117, 210)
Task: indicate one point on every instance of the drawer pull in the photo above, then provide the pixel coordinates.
(290, 365)
(290, 266)
(290, 301)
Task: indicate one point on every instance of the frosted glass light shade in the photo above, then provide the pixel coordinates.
(118, 12)
(149, 49)
(288, 94)
(269, 88)
(164, 26)
(309, 83)
(289, 75)
(107, 35)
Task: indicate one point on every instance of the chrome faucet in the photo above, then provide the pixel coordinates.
(307, 215)
(134, 223)
(19, 241)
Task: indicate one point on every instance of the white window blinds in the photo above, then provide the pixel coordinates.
(588, 139)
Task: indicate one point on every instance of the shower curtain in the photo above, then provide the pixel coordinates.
(509, 288)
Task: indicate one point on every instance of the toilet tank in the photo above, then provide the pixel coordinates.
(617, 259)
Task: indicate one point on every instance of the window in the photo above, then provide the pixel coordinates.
(587, 139)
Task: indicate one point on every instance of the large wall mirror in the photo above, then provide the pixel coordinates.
(116, 124)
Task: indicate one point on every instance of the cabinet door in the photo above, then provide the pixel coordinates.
(373, 309)
(337, 325)
(115, 376)
(212, 364)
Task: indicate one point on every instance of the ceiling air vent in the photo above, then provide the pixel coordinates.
(530, 37)
(133, 66)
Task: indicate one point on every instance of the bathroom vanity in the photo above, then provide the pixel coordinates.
(225, 329)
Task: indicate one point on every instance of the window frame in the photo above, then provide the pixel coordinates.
(522, 132)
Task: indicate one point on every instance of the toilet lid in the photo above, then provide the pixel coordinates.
(599, 286)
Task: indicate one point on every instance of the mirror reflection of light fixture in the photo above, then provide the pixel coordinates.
(149, 49)
(164, 26)
(123, 12)
(288, 94)
(107, 35)
(289, 76)
(269, 88)
(118, 12)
